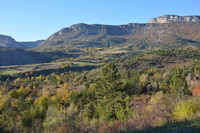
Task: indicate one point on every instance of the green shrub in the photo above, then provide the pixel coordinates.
(54, 119)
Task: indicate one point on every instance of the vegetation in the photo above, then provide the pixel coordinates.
(99, 78)
(152, 92)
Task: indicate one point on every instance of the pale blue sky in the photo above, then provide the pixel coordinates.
(30, 20)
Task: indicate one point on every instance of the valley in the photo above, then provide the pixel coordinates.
(136, 77)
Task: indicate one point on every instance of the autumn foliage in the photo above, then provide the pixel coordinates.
(196, 90)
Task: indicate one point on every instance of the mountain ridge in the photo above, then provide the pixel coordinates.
(81, 35)
(96, 35)
(128, 39)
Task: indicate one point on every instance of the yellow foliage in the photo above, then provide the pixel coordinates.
(58, 78)
(63, 94)
(163, 86)
(2, 90)
(61, 129)
(187, 109)
(91, 88)
(53, 98)
(144, 78)
(2, 102)
(46, 88)
(14, 103)
(41, 101)
(65, 85)
(39, 77)
(28, 99)
(157, 76)
(34, 87)
(17, 80)
(13, 94)
(151, 70)
(47, 80)
(23, 90)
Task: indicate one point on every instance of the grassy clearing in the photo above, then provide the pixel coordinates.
(86, 63)
(9, 71)
(43, 66)
(77, 62)
(112, 51)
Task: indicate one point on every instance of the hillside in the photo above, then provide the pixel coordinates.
(174, 31)
(22, 57)
(19, 57)
(155, 92)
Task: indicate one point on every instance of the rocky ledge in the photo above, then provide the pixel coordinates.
(175, 18)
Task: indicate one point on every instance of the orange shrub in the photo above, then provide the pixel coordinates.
(196, 90)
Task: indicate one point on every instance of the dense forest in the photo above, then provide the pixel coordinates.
(154, 92)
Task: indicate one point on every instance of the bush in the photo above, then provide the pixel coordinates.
(187, 110)
(54, 119)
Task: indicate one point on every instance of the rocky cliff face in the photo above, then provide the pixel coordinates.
(84, 35)
(157, 33)
(9, 42)
(82, 30)
(175, 18)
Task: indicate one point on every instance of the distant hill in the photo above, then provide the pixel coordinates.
(9, 42)
(32, 44)
(169, 31)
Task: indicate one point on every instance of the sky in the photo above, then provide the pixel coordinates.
(31, 20)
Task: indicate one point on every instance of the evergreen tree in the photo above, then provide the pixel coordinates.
(111, 100)
(178, 86)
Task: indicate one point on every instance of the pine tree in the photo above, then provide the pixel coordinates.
(111, 101)
(178, 84)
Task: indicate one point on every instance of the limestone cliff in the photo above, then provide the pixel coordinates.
(158, 33)
(175, 18)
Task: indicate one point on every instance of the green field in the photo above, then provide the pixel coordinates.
(9, 71)
(4, 70)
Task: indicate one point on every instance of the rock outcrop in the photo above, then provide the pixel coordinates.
(175, 18)
(82, 30)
